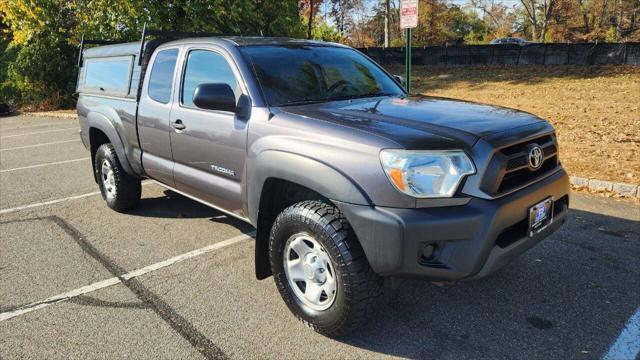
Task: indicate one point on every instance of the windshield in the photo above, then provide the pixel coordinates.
(307, 74)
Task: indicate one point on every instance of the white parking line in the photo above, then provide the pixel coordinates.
(36, 125)
(117, 280)
(56, 201)
(29, 206)
(38, 145)
(627, 345)
(45, 164)
(38, 132)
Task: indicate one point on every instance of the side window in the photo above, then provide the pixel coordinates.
(161, 79)
(205, 67)
(108, 75)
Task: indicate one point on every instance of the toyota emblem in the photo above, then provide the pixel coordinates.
(536, 157)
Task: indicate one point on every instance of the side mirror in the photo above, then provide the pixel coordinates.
(215, 97)
(400, 80)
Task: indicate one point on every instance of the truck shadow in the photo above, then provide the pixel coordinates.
(175, 206)
(568, 297)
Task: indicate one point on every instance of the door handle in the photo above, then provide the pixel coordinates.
(178, 125)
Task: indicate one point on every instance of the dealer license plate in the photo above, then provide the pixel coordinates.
(540, 216)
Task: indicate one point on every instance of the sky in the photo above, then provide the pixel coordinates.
(369, 4)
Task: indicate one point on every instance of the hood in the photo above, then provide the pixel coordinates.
(419, 122)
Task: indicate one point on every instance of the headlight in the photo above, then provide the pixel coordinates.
(426, 174)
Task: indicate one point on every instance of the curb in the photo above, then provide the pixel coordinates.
(595, 185)
(53, 114)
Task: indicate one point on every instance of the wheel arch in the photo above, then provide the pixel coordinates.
(280, 179)
(101, 129)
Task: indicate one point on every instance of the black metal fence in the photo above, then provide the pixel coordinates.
(531, 54)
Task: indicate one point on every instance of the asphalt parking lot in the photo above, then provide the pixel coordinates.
(174, 279)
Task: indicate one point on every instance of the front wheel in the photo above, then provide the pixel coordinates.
(320, 269)
(120, 190)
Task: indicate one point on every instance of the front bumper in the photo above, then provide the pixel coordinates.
(470, 240)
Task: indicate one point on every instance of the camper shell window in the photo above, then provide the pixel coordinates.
(110, 75)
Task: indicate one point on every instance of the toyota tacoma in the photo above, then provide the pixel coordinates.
(346, 177)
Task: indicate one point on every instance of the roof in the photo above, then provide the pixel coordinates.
(254, 40)
(133, 48)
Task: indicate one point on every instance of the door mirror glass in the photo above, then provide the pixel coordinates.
(215, 97)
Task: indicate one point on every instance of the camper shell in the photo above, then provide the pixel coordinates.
(128, 54)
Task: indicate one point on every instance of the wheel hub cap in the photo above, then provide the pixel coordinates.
(310, 272)
(313, 269)
(108, 179)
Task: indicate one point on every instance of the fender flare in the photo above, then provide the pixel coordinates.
(302, 170)
(299, 169)
(104, 124)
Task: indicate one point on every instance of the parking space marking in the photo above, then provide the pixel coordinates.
(38, 145)
(45, 164)
(627, 345)
(51, 202)
(36, 125)
(38, 132)
(128, 276)
(45, 203)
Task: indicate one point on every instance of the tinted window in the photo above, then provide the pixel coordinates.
(161, 78)
(108, 75)
(299, 74)
(205, 67)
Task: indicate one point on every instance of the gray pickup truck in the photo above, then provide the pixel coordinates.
(346, 177)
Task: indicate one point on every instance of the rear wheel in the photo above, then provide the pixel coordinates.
(120, 190)
(320, 269)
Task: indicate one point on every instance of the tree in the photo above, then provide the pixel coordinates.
(539, 13)
(308, 9)
(497, 17)
(38, 63)
(341, 12)
(467, 27)
(387, 22)
(40, 36)
(433, 26)
(369, 30)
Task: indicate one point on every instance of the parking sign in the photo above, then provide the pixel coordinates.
(408, 14)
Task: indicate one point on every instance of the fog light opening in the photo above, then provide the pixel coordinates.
(428, 251)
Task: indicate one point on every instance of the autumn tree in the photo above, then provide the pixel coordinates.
(45, 34)
(342, 12)
(309, 9)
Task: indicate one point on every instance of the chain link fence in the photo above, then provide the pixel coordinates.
(530, 54)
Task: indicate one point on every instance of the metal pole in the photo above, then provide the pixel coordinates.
(407, 62)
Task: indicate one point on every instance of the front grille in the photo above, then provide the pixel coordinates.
(509, 167)
(513, 179)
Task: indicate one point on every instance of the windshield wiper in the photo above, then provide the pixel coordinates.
(351, 97)
(336, 98)
(303, 102)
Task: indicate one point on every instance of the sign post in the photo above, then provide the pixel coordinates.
(408, 20)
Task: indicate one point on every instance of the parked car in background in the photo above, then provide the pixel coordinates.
(346, 177)
(5, 109)
(509, 40)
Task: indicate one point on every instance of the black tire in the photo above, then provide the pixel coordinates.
(357, 285)
(127, 188)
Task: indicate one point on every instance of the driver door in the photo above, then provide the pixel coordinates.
(209, 146)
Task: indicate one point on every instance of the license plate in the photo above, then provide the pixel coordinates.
(540, 216)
